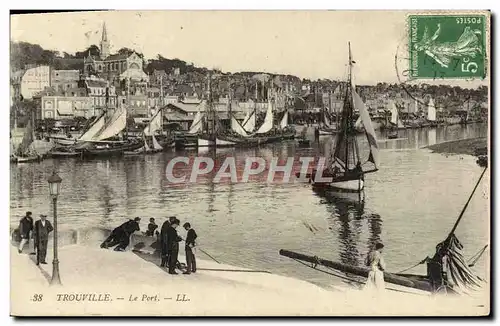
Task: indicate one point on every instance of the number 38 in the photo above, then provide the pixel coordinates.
(469, 66)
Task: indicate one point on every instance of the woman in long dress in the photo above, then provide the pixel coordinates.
(375, 261)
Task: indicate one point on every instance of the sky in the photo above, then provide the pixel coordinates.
(308, 44)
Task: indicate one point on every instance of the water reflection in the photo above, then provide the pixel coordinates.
(347, 217)
(246, 223)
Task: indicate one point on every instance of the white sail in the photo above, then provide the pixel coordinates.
(284, 121)
(367, 123)
(249, 124)
(146, 146)
(358, 124)
(245, 120)
(237, 128)
(394, 113)
(197, 123)
(155, 124)
(268, 120)
(117, 123)
(156, 145)
(94, 129)
(431, 111)
(328, 123)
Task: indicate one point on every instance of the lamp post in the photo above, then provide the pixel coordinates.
(54, 186)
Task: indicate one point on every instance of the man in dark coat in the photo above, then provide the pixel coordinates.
(164, 240)
(41, 236)
(121, 235)
(190, 244)
(173, 246)
(25, 228)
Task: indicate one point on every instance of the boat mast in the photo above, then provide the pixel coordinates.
(352, 131)
(210, 106)
(347, 102)
(161, 103)
(229, 98)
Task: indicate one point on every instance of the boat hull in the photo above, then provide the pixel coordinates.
(64, 141)
(65, 154)
(28, 159)
(415, 283)
(205, 142)
(326, 132)
(224, 143)
(106, 152)
(348, 186)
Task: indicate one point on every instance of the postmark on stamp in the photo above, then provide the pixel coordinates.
(447, 46)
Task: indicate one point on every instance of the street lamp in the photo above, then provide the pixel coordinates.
(54, 186)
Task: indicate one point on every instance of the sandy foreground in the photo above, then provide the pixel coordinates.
(125, 284)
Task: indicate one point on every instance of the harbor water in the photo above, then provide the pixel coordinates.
(410, 204)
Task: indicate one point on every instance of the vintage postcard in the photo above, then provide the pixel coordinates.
(250, 163)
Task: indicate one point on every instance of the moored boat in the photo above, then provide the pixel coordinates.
(344, 171)
(26, 152)
(64, 141)
(64, 152)
(111, 149)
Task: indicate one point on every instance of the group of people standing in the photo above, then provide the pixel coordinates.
(168, 240)
(38, 231)
(169, 246)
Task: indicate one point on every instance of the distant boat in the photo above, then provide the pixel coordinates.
(64, 151)
(345, 166)
(392, 134)
(325, 127)
(26, 152)
(431, 113)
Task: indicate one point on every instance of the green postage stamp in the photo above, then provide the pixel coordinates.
(447, 46)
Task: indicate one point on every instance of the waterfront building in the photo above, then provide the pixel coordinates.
(62, 107)
(62, 80)
(137, 104)
(100, 90)
(35, 80)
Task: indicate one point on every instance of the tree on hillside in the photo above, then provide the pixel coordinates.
(93, 50)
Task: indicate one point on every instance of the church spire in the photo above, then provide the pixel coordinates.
(104, 42)
(104, 33)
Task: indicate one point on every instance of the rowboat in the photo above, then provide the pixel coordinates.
(111, 149)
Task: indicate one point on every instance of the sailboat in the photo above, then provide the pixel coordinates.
(431, 113)
(326, 127)
(237, 135)
(268, 132)
(249, 121)
(190, 138)
(345, 170)
(100, 143)
(155, 125)
(447, 270)
(26, 151)
(395, 123)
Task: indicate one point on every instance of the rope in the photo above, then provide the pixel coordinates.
(407, 269)
(232, 270)
(208, 255)
(478, 254)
